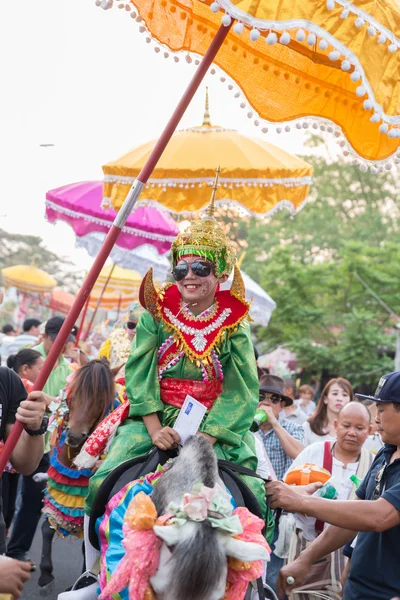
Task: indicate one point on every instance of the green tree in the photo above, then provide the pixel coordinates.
(17, 249)
(317, 264)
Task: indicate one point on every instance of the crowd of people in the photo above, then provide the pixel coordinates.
(194, 339)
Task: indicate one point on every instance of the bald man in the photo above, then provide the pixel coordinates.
(374, 572)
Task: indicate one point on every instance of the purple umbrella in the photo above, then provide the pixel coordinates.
(79, 205)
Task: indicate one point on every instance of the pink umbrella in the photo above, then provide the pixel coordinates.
(79, 205)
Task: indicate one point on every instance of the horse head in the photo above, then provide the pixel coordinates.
(194, 556)
(91, 393)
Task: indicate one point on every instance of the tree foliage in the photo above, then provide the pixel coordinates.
(17, 249)
(324, 266)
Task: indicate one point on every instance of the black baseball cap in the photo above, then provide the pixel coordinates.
(53, 326)
(388, 389)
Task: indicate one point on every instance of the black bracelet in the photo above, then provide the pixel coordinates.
(42, 429)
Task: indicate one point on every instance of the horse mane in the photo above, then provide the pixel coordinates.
(198, 566)
(92, 390)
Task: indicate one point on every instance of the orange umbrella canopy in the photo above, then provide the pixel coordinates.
(61, 301)
(28, 278)
(118, 280)
(330, 59)
(256, 175)
(111, 300)
(117, 287)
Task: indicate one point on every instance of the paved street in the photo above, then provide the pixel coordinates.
(67, 561)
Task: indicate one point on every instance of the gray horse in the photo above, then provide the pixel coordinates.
(193, 559)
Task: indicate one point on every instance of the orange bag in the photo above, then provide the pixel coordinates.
(307, 473)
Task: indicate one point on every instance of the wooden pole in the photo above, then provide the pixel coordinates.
(116, 229)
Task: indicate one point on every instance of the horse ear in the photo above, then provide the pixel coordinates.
(170, 534)
(245, 551)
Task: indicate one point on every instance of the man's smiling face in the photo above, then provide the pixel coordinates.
(195, 289)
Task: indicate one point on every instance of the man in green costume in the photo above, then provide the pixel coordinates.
(192, 339)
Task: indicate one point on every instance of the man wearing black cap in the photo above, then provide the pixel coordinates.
(29, 513)
(374, 571)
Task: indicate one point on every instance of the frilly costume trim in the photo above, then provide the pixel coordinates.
(142, 544)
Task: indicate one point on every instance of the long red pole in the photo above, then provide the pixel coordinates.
(116, 229)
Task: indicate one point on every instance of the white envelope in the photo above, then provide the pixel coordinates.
(189, 418)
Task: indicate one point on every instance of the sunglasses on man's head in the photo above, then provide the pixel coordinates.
(380, 483)
(199, 268)
(131, 325)
(274, 398)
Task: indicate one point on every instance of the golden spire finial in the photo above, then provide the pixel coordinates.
(207, 118)
(211, 208)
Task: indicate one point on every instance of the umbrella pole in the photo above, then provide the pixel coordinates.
(119, 306)
(116, 229)
(99, 301)
(78, 335)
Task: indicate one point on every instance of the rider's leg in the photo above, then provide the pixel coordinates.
(132, 440)
(245, 455)
(91, 553)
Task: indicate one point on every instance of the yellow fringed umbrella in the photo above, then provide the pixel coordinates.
(28, 278)
(111, 300)
(114, 280)
(255, 174)
(331, 59)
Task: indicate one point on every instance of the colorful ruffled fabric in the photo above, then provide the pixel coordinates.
(241, 573)
(65, 495)
(142, 550)
(100, 440)
(109, 526)
(130, 548)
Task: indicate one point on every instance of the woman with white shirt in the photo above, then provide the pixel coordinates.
(347, 458)
(320, 426)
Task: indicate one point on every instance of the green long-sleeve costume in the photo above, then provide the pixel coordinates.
(229, 419)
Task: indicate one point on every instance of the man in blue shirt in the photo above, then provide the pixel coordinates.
(374, 572)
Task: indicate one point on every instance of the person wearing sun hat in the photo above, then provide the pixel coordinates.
(192, 339)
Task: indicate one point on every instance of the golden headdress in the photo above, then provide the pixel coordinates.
(205, 238)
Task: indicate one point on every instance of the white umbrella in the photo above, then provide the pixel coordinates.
(262, 305)
(139, 259)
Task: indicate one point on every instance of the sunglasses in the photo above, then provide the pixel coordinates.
(201, 269)
(131, 325)
(380, 483)
(274, 398)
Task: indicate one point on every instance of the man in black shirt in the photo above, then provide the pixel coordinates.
(374, 571)
(14, 405)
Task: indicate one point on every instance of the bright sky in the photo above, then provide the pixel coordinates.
(85, 80)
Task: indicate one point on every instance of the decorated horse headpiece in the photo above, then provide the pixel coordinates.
(205, 238)
(145, 563)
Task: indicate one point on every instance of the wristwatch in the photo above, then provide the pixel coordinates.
(42, 429)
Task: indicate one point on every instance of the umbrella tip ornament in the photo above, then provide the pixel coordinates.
(207, 118)
(211, 208)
